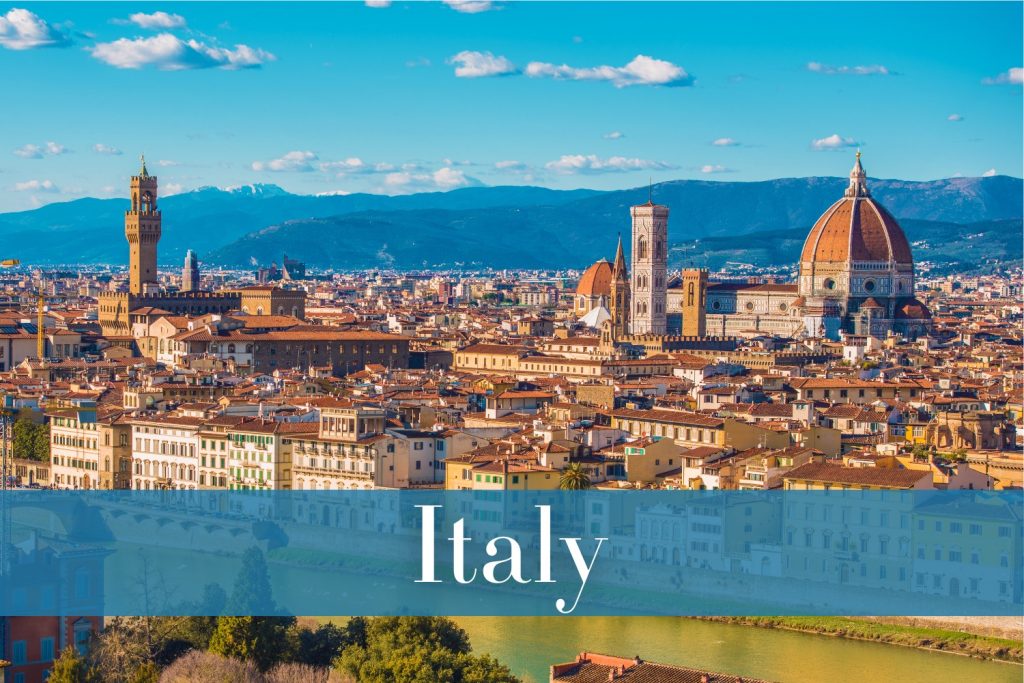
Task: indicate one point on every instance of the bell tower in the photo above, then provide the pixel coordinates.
(142, 229)
(649, 256)
(619, 295)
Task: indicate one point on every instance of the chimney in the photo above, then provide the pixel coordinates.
(637, 661)
(611, 674)
(704, 678)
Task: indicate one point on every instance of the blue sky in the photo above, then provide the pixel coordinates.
(410, 97)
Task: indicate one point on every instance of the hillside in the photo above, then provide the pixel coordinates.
(515, 226)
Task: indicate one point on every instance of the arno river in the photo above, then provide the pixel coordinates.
(529, 645)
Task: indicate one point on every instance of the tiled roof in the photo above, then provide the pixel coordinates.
(860, 476)
(595, 668)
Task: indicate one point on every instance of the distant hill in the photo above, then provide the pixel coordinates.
(512, 226)
(948, 246)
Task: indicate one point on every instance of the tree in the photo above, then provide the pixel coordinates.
(920, 452)
(305, 673)
(148, 672)
(41, 443)
(72, 667)
(261, 640)
(574, 478)
(252, 593)
(207, 667)
(30, 440)
(418, 650)
(320, 646)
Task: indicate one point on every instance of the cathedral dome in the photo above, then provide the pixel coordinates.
(856, 228)
(596, 280)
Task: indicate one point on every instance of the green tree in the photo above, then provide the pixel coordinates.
(252, 593)
(72, 667)
(920, 452)
(418, 650)
(320, 646)
(574, 478)
(148, 672)
(41, 443)
(261, 640)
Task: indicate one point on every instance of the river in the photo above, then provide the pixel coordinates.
(529, 645)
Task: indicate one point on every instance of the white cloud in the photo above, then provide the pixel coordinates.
(834, 141)
(297, 161)
(445, 178)
(157, 20)
(31, 151)
(954, 117)
(1013, 76)
(355, 165)
(21, 29)
(591, 163)
(169, 53)
(36, 186)
(167, 162)
(470, 6)
(725, 142)
(989, 173)
(168, 189)
(472, 64)
(100, 148)
(714, 168)
(448, 178)
(614, 135)
(860, 70)
(642, 70)
(509, 165)
(378, 3)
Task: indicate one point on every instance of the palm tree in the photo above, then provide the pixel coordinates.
(574, 478)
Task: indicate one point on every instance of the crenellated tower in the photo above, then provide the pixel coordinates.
(142, 227)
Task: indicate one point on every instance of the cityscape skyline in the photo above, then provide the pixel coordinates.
(516, 95)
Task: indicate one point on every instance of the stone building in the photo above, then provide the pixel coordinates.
(142, 226)
(856, 277)
(649, 265)
(974, 430)
(190, 273)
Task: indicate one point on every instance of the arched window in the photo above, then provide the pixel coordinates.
(689, 295)
(641, 248)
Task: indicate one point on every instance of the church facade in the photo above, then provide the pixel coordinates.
(856, 276)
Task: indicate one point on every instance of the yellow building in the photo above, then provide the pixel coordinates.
(825, 477)
(489, 358)
(693, 430)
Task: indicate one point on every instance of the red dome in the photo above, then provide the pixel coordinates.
(856, 228)
(596, 280)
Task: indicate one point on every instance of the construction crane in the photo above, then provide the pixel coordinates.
(40, 307)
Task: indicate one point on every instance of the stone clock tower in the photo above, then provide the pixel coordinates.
(142, 228)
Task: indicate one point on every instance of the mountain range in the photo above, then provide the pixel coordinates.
(958, 222)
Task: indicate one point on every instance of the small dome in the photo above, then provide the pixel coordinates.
(856, 228)
(596, 280)
(912, 309)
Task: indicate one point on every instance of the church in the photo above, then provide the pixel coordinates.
(856, 277)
